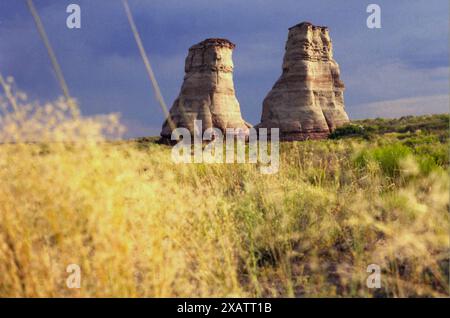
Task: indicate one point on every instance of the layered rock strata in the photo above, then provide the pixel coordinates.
(307, 101)
(207, 92)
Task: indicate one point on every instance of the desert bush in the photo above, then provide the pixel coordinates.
(388, 157)
(352, 130)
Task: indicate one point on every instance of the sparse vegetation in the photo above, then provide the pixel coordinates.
(141, 226)
(368, 128)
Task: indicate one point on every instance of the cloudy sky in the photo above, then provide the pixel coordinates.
(400, 69)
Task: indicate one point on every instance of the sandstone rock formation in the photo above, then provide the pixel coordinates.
(207, 92)
(307, 101)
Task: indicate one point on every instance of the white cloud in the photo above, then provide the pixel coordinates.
(423, 105)
(394, 81)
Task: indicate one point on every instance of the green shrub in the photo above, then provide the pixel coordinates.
(351, 130)
(388, 157)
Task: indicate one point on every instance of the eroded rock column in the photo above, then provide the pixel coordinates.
(307, 101)
(207, 92)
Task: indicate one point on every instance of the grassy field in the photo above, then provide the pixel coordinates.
(139, 225)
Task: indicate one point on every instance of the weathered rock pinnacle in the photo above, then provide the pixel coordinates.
(207, 92)
(307, 101)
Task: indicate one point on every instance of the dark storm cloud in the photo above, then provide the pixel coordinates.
(406, 59)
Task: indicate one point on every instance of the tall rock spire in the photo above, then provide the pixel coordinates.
(307, 101)
(207, 92)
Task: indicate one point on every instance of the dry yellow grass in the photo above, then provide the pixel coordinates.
(140, 226)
